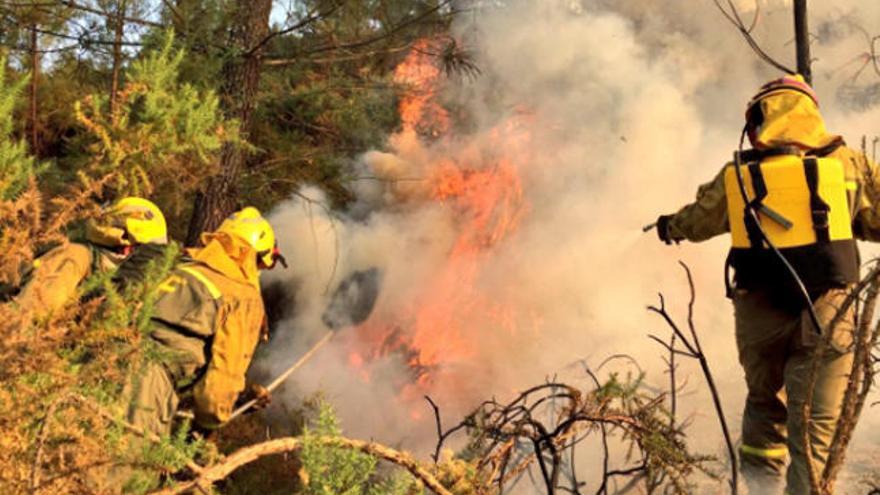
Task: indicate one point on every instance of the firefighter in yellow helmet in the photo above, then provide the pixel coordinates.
(813, 196)
(109, 239)
(207, 322)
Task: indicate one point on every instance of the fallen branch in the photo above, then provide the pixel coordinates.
(544, 424)
(252, 453)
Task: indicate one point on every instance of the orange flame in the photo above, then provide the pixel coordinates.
(479, 182)
(419, 111)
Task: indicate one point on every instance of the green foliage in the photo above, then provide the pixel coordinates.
(160, 135)
(89, 356)
(312, 124)
(16, 164)
(338, 471)
(331, 470)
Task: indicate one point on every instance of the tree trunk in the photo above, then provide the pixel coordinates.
(241, 78)
(119, 29)
(35, 74)
(802, 38)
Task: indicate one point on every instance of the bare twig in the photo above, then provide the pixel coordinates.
(733, 16)
(696, 351)
(41, 441)
(553, 418)
(859, 381)
(310, 18)
(441, 434)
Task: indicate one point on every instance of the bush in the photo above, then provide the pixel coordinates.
(338, 471)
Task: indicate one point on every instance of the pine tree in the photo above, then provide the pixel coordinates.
(16, 164)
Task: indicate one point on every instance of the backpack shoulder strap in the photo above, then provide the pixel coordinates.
(818, 207)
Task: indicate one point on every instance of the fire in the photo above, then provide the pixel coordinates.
(478, 182)
(419, 112)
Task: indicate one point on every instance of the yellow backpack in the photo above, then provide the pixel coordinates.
(802, 208)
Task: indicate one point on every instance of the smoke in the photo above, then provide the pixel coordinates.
(611, 112)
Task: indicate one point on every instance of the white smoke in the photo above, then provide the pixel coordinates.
(632, 104)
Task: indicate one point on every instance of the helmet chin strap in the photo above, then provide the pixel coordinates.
(277, 257)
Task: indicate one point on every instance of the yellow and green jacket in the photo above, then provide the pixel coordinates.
(56, 275)
(208, 318)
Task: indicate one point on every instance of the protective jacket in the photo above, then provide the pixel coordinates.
(791, 122)
(56, 275)
(209, 318)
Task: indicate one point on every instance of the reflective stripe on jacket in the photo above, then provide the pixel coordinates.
(211, 309)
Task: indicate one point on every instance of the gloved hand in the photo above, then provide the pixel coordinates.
(259, 393)
(663, 229)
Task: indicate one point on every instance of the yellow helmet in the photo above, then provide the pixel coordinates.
(127, 222)
(249, 225)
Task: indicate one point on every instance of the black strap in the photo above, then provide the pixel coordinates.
(818, 208)
(827, 149)
(760, 187)
(756, 155)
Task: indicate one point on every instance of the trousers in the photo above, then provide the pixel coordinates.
(776, 347)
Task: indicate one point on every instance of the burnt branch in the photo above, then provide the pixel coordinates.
(695, 350)
(441, 435)
(731, 13)
(543, 426)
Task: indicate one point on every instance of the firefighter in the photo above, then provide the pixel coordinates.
(109, 239)
(813, 197)
(206, 324)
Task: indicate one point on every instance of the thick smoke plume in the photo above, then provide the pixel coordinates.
(607, 113)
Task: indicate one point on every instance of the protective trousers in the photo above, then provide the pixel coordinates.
(153, 400)
(776, 348)
(151, 404)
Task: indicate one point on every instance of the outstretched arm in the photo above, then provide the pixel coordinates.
(704, 218)
(55, 279)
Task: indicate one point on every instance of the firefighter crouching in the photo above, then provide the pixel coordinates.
(206, 325)
(813, 196)
(110, 239)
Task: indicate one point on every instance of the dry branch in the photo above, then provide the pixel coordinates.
(734, 17)
(543, 426)
(859, 382)
(252, 453)
(695, 350)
